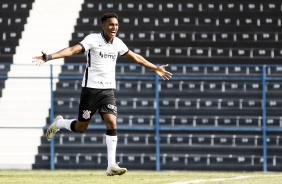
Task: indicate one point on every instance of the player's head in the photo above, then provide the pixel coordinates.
(109, 25)
(107, 16)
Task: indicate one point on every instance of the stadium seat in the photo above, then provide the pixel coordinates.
(231, 7)
(271, 7)
(190, 7)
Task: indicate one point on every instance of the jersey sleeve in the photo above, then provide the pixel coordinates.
(86, 42)
(123, 48)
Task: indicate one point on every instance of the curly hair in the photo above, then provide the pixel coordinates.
(108, 15)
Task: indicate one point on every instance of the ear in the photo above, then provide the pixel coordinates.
(103, 25)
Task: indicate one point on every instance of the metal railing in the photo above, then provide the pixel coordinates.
(263, 78)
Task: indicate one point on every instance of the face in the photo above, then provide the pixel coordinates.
(110, 28)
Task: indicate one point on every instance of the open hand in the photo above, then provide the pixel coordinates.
(165, 75)
(38, 59)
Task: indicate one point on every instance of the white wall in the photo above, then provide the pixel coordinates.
(26, 102)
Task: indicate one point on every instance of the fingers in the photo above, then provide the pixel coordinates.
(38, 62)
(38, 59)
(167, 77)
(164, 66)
(165, 74)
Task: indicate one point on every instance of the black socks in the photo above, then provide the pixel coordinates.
(72, 125)
(112, 132)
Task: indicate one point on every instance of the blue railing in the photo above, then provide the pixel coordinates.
(263, 78)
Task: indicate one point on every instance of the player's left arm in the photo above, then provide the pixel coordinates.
(160, 70)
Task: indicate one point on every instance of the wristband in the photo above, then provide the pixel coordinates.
(46, 57)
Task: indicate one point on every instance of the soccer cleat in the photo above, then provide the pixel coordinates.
(53, 129)
(115, 170)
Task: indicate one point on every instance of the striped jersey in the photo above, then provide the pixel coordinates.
(101, 60)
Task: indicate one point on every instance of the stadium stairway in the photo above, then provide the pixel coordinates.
(25, 102)
(198, 32)
(243, 39)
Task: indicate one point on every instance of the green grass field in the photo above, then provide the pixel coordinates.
(138, 177)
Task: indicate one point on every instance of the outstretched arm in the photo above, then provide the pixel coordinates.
(69, 51)
(160, 70)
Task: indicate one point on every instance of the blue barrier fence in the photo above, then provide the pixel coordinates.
(263, 78)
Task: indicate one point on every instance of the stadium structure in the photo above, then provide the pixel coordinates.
(220, 111)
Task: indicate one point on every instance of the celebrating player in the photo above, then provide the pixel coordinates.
(97, 93)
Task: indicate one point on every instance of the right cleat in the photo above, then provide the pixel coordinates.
(53, 129)
(115, 170)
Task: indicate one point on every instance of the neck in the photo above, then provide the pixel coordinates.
(108, 39)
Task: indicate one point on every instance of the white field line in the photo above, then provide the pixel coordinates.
(212, 180)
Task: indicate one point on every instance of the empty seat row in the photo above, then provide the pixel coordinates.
(124, 69)
(7, 50)
(219, 121)
(166, 159)
(15, 6)
(88, 139)
(82, 158)
(199, 36)
(209, 52)
(180, 103)
(9, 35)
(7, 21)
(188, 21)
(201, 86)
(213, 121)
(131, 69)
(194, 70)
(188, 6)
(214, 140)
(196, 86)
(225, 104)
(182, 86)
(233, 162)
(184, 120)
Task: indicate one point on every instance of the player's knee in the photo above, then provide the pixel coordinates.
(81, 127)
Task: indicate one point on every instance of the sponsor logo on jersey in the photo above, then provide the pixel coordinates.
(86, 114)
(111, 56)
(101, 82)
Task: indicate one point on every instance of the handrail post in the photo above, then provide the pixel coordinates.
(52, 149)
(157, 128)
(264, 135)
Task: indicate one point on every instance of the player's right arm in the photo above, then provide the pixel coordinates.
(69, 51)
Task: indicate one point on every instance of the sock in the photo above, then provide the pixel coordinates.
(111, 141)
(67, 123)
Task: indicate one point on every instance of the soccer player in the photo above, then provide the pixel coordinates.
(98, 84)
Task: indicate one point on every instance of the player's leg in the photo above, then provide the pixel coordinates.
(111, 137)
(87, 107)
(111, 141)
(70, 124)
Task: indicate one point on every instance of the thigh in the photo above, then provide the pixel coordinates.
(110, 120)
(108, 105)
(90, 100)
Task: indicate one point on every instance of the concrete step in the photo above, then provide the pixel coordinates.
(18, 147)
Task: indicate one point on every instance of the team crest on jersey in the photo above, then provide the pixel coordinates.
(86, 114)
